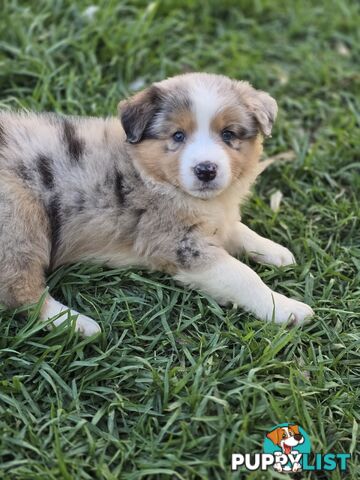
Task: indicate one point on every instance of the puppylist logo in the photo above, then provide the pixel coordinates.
(287, 449)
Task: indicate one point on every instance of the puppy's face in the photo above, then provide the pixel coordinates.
(286, 437)
(198, 132)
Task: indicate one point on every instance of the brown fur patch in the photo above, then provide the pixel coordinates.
(159, 158)
(275, 436)
(158, 161)
(245, 160)
(24, 239)
(294, 429)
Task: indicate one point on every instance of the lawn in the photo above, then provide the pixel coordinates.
(176, 383)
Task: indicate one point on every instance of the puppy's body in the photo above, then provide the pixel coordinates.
(74, 189)
(96, 205)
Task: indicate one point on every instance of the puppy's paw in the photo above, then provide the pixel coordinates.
(296, 467)
(275, 254)
(86, 326)
(53, 309)
(280, 257)
(287, 309)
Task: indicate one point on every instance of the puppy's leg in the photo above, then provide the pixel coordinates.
(260, 249)
(25, 253)
(228, 280)
(24, 244)
(54, 309)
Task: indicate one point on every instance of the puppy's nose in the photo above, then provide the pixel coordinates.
(205, 171)
(298, 437)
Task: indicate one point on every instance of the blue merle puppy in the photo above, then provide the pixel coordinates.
(160, 187)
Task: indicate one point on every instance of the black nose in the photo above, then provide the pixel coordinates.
(205, 171)
(298, 437)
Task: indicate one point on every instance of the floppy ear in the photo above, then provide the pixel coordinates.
(260, 104)
(137, 112)
(274, 436)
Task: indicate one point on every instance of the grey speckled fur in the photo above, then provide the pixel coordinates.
(95, 204)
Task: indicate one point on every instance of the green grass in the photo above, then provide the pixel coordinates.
(176, 383)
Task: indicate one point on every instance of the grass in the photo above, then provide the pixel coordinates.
(176, 383)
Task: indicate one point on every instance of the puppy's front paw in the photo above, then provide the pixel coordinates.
(287, 309)
(281, 257)
(275, 254)
(87, 326)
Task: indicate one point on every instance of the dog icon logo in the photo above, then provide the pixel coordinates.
(288, 442)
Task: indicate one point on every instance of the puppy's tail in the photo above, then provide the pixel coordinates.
(288, 156)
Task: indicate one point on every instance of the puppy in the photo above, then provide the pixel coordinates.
(287, 438)
(159, 189)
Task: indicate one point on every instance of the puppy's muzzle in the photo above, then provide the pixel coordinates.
(205, 171)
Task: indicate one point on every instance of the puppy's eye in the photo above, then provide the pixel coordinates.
(179, 136)
(284, 435)
(227, 135)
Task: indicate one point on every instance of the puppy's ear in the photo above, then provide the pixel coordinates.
(137, 112)
(260, 104)
(274, 436)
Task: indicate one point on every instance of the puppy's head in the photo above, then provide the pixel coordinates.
(286, 437)
(198, 132)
